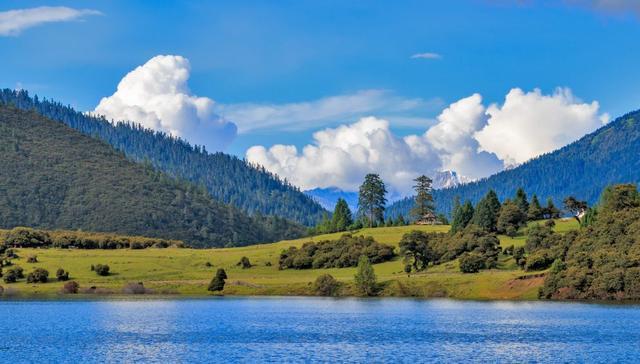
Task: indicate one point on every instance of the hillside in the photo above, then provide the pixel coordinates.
(57, 178)
(227, 178)
(583, 169)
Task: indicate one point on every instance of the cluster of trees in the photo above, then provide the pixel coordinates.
(344, 252)
(477, 249)
(22, 237)
(61, 179)
(371, 207)
(227, 178)
(583, 168)
(504, 218)
(601, 260)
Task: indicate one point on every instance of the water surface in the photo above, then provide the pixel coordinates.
(316, 329)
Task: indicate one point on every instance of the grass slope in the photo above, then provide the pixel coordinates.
(184, 271)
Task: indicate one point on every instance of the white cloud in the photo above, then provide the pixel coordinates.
(530, 124)
(468, 138)
(427, 55)
(327, 110)
(13, 22)
(156, 95)
(341, 156)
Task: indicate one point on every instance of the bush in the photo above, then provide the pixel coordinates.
(134, 288)
(365, 278)
(27, 238)
(208, 264)
(70, 287)
(62, 275)
(101, 269)
(39, 275)
(539, 260)
(267, 264)
(471, 263)
(340, 253)
(218, 281)
(10, 276)
(32, 259)
(244, 263)
(326, 285)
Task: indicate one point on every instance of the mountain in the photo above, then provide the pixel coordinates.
(54, 177)
(327, 197)
(227, 178)
(583, 168)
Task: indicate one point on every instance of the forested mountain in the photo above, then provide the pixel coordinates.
(54, 177)
(609, 155)
(228, 179)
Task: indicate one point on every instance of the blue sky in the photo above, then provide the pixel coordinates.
(290, 52)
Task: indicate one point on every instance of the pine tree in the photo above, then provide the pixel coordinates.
(551, 212)
(521, 200)
(487, 210)
(365, 277)
(424, 197)
(341, 219)
(462, 217)
(535, 211)
(371, 199)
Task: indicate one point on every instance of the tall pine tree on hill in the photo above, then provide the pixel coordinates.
(372, 199)
(424, 198)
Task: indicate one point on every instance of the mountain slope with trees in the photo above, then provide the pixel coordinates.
(227, 178)
(54, 177)
(582, 169)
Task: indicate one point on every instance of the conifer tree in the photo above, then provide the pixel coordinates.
(371, 199)
(521, 200)
(535, 211)
(424, 198)
(487, 210)
(341, 219)
(462, 217)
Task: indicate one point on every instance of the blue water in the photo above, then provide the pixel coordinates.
(315, 329)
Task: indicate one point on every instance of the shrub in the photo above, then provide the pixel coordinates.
(39, 275)
(244, 263)
(62, 275)
(208, 264)
(471, 263)
(539, 260)
(267, 264)
(102, 269)
(326, 285)
(340, 253)
(27, 237)
(70, 287)
(32, 259)
(365, 277)
(19, 271)
(218, 281)
(10, 276)
(134, 288)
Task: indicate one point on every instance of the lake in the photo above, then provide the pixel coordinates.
(316, 329)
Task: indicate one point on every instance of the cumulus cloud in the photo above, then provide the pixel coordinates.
(529, 124)
(13, 22)
(427, 55)
(156, 95)
(327, 110)
(342, 156)
(469, 138)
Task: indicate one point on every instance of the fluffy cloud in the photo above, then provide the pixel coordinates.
(156, 95)
(530, 124)
(13, 22)
(342, 156)
(468, 138)
(310, 114)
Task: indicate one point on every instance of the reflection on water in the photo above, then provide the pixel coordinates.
(316, 329)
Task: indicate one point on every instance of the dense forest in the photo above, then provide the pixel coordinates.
(54, 177)
(228, 179)
(583, 169)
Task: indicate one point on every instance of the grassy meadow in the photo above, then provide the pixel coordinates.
(185, 271)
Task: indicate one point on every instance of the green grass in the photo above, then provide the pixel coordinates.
(183, 271)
